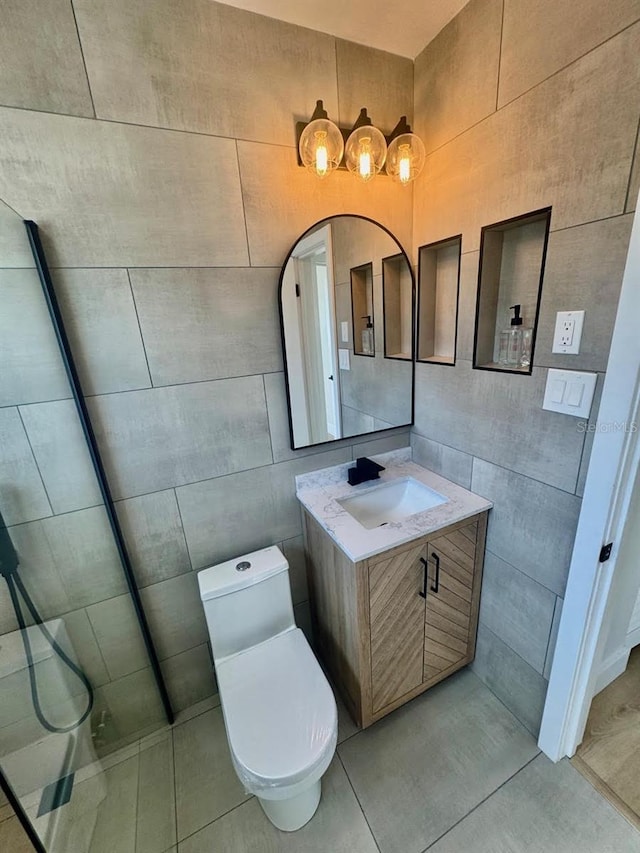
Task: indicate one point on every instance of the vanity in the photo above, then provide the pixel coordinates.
(394, 568)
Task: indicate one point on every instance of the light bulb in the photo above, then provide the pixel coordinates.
(321, 147)
(365, 152)
(405, 158)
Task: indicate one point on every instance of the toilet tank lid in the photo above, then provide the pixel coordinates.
(241, 572)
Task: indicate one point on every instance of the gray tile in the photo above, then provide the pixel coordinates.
(206, 783)
(22, 492)
(33, 40)
(589, 428)
(168, 185)
(61, 452)
(355, 422)
(222, 322)
(455, 83)
(84, 647)
(302, 617)
(100, 319)
(544, 129)
(495, 416)
(338, 825)
(532, 526)
(156, 439)
(384, 444)
(446, 461)
(134, 702)
(293, 549)
(117, 631)
(175, 615)
(32, 367)
(155, 539)
(583, 271)
(189, 677)
(14, 248)
(195, 74)
(634, 180)
(380, 387)
(514, 682)
(275, 219)
(449, 748)
(553, 638)
(69, 561)
(156, 820)
(545, 807)
(374, 77)
(517, 609)
(538, 41)
(233, 515)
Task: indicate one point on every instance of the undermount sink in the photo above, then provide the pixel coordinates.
(391, 501)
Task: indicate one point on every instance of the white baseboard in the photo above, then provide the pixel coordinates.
(633, 638)
(611, 668)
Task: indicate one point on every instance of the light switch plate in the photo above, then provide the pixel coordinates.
(568, 332)
(569, 392)
(344, 331)
(343, 359)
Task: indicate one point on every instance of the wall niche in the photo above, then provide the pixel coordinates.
(511, 271)
(397, 300)
(438, 291)
(362, 317)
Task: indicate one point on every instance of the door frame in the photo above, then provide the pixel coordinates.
(614, 464)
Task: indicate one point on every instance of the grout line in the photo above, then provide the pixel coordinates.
(231, 268)
(553, 619)
(84, 62)
(266, 408)
(35, 462)
(144, 348)
(517, 569)
(532, 668)
(477, 806)
(635, 155)
(171, 385)
(375, 841)
(224, 814)
(500, 57)
(244, 206)
(184, 535)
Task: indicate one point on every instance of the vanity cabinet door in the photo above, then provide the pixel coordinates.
(397, 625)
(450, 608)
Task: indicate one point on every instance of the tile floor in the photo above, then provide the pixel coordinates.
(452, 771)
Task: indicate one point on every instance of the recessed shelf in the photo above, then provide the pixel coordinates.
(438, 288)
(362, 308)
(511, 271)
(397, 301)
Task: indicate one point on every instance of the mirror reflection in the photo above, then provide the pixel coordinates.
(346, 301)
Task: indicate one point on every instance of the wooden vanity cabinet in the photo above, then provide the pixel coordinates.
(391, 626)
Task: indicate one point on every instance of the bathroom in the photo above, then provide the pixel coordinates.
(154, 145)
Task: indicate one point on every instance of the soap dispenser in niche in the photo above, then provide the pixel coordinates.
(515, 342)
(367, 336)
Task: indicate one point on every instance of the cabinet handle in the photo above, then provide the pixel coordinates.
(436, 560)
(423, 592)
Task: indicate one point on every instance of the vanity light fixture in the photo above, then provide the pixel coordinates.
(367, 151)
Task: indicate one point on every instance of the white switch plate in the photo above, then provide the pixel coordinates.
(343, 359)
(344, 331)
(569, 392)
(568, 332)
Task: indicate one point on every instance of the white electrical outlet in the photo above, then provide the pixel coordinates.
(568, 332)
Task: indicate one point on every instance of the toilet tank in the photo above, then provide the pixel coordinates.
(246, 600)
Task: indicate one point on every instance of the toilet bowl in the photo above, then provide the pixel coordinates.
(279, 710)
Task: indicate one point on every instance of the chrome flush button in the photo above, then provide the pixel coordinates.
(243, 566)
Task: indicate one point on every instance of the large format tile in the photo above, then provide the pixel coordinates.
(155, 539)
(397, 440)
(116, 628)
(424, 767)
(293, 550)
(112, 195)
(553, 637)
(156, 819)
(514, 682)
(204, 67)
(62, 454)
(456, 83)
(338, 826)
(634, 180)
(517, 609)
(134, 702)
(545, 807)
(84, 647)
(496, 416)
(34, 39)
(233, 515)
(22, 493)
(30, 358)
(221, 322)
(532, 526)
(175, 614)
(14, 248)
(540, 39)
(100, 319)
(164, 437)
(444, 460)
(189, 677)
(537, 150)
(206, 783)
(381, 81)
(584, 268)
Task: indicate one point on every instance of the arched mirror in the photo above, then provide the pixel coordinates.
(347, 313)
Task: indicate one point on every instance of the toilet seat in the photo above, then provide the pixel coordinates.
(280, 715)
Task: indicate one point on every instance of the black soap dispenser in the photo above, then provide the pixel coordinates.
(511, 340)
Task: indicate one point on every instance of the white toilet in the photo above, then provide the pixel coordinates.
(279, 710)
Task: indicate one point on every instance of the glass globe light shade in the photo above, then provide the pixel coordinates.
(321, 147)
(405, 158)
(365, 152)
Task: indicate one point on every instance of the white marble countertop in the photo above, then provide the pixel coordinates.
(320, 491)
